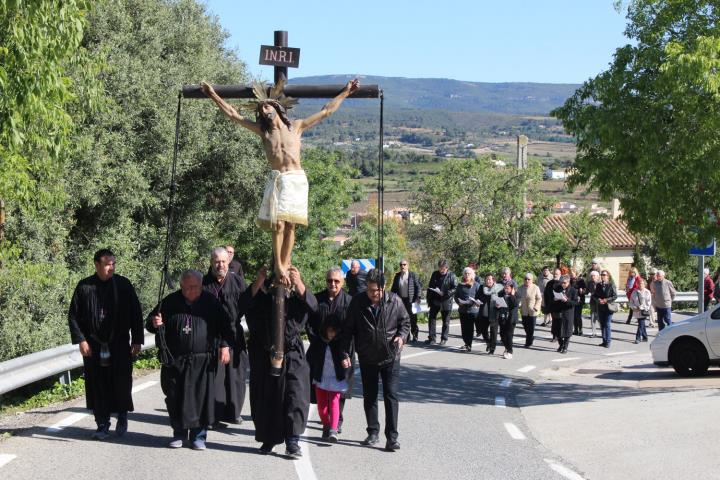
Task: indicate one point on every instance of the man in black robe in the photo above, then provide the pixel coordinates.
(279, 404)
(333, 302)
(103, 310)
(190, 324)
(230, 379)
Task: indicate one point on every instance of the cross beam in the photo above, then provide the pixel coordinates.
(295, 91)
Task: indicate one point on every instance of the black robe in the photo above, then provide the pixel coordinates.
(279, 405)
(230, 379)
(107, 389)
(339, 308)
(192, 334)
(564, 312)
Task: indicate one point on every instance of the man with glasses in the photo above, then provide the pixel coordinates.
(378, 324)
(407, 286)
(605, 294)
(235, 266)
(334, 302)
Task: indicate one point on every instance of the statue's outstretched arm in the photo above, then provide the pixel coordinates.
(329, 107)
(229, 110)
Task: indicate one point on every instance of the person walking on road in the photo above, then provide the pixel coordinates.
(440, 294)
(545, 277)
(605, 294)
(407, 286)
(565, 300)
(663, 294)
(488, 312)
(640, 305)
(630, 286)
(507, 310)
(378, 324)
(530, 305)
(467, 307)
(105, 321)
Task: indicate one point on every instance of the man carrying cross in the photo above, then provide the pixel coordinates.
(285, 200)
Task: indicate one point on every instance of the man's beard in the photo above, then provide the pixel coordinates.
(217, 273)
(270, 116)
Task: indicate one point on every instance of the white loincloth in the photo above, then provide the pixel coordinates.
(285, 198)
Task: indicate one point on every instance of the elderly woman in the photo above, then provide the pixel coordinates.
(487, 294)
(630, 286)
(593, 279)
(565, 299)
(640, 306)
(530, 299)
(605, 294)
(578, 283)
(467, 306)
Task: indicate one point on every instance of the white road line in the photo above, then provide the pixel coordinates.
(66, 422)
(526, 369)
(566, 359)
(564, 471)
(500, 401)
(303, 465)
(6, 458)
(143, 386)
(506, 383)
(514, 431)
(619, 353)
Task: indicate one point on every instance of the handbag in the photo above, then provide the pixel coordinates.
(613, 307)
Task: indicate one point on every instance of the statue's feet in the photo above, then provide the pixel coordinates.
(281, 278)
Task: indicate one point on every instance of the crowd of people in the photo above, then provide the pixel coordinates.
(206, 354)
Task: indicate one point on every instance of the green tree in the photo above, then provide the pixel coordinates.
(583, 238)
(646, 129)
(471, 211)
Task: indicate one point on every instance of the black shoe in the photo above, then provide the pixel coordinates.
(607, 345)
(491, 351)
(266, 448)
(603, 344)
(121, 426)
(392, 445)
(292, 449)
(332, 436)
(443, 342)
(559, 349)
(326, 432)
(430, 341)
(644, 339)
(371, 439)
(564, 350)
(627, 323)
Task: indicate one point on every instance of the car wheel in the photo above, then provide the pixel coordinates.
(689, 358)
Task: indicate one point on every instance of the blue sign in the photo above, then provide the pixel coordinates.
(365, 264)
(708, 251)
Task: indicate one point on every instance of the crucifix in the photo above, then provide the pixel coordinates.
(285, 198)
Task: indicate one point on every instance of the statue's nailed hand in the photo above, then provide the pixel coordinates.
(352, 86)
(206, 88)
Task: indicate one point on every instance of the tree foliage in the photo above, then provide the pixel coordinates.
(646, 129)
(471, 211)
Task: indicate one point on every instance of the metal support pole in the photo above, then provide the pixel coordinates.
(66, 378)
(701, 284)
(277, 353)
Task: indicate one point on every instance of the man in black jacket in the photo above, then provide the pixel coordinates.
(378, 323)
(407, 286)
(355, 279)
(440, 294)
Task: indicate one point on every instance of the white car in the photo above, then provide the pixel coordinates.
(691, 345)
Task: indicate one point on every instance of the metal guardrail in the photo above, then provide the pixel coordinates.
(27, 369)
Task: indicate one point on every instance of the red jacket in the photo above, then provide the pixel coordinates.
(633, 287)
(708, 287)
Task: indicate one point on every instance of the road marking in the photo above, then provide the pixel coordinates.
(506, 383)
(564, 471)
(566, 359)
(514, 431)
(143, 386)
(500, 402)
(303, 465)
(619, 353)
(66, 422)
(6, 458)
(526, 368)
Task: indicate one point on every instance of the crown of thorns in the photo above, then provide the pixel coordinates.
(276, 96)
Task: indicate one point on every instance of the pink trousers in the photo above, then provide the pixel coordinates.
(328, 404)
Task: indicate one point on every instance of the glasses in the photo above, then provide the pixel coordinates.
(528, 278)
(332, 280)
(403, 264)
(603, 274)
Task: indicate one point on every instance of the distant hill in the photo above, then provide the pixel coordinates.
(458, 96)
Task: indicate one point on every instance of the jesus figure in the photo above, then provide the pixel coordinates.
(285, 200)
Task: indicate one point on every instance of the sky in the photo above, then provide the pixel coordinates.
(549, 41)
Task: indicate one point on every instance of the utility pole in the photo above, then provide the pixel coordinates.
(522, 144)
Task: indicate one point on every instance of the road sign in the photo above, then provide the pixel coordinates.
(708, 251)
(279, 56)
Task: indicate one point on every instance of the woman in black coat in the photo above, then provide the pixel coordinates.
(605, 294)
(565, 299)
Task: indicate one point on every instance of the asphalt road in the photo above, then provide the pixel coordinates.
(593, 413)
